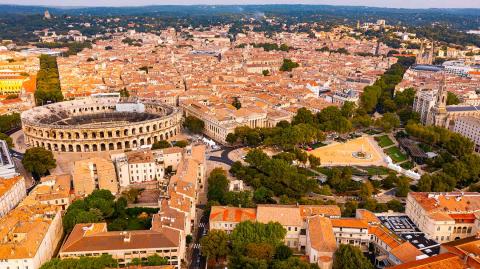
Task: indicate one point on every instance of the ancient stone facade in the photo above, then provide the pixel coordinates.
(95, 124)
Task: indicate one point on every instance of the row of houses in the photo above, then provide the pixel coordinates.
(431, 222)
(317, 231)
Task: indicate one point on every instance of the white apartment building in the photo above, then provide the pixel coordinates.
(444, 217)
(423, 103)
(351, 231)
(7, 166)
(469, 126)
(12, 191)
(142, 166)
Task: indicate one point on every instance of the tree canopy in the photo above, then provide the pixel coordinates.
(350, 257)
(38, 161)
(194, 124)
(48, 81)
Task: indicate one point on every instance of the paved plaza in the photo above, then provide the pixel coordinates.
(341, 154)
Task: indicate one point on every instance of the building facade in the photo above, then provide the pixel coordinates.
(469, 127)
(12, 191)
(444, 217)
(94, 174)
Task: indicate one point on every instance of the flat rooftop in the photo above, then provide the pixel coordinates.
(404, 227)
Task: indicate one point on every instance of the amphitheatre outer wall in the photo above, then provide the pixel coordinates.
(61, 127)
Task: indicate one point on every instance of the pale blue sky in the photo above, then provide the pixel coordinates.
(377, 3)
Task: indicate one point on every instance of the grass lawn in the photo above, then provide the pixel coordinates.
(384, 141)
(407, 165)
(395, 154)
(377, 170)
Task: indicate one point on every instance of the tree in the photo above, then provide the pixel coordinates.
(236, 102)
(395, 206)
(350, 257)
(194, 124)
(48, 81)
(366, 190)
(104, 261)
(215, 244)
(403, 186)
(188, 239)
(156, 260)
(452, 99)
(124, 92)
(7, 139)
(348, 109)
(293, 262)
(265, 72)
(288, 65)
(262, 251)
(181, 143)
(388, 122)
(283, 252)
(303, 115)
(38, 161)
(162, 144)
(217, 185)
(263, 195)
(314, 161)
(247, 232)
(349, 209)
(231, 138)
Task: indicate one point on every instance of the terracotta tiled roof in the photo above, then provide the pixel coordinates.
(232, 214)
(321, 234)
(350, 223)
(406, 252)
(442, 261)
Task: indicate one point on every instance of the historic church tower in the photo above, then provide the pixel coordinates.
(439, 111)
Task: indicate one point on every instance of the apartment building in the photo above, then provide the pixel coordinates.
(7, 166)
(423, 103)
(12, 191)
(93, 239)
(226, 218)
(351, 231)
(445, 217)
(142, 166)
(94, 174)
(30, 233)
(317, 230)
(54, 190)
(469, 126)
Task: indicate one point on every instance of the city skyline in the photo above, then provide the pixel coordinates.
(371, 3)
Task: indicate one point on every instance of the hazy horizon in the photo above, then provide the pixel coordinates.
(370, 3)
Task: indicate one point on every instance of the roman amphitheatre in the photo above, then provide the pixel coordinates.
(102, 122)
(362, 151)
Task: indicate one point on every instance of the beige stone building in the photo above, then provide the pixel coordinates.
(222, 119)
(445, 217)
(94, 174)
(469, 127)
(93, 239)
